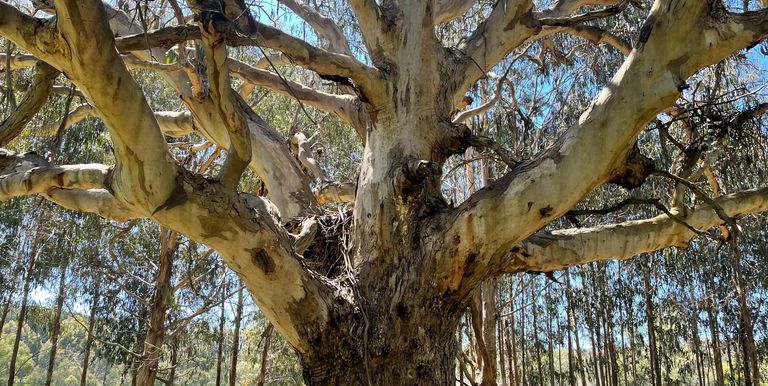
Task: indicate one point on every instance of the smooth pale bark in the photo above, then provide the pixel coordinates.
(325, 28)
(33, 101)
(352, 332)
(447, 10)
(548, 251)
(524, 200)
(346, 107)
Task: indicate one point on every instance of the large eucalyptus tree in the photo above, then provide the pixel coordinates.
(410, 259)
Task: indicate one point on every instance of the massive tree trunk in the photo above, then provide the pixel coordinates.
(383, 307)
(415, 355)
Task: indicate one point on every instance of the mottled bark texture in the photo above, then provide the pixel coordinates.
(381, 306)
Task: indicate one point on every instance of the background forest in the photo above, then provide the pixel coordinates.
(88, 301)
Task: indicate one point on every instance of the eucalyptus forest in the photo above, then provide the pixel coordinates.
(384, 192)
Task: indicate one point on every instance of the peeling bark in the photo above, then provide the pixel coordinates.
(408, 264)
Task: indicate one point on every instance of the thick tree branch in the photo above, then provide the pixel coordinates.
(33, 101)
(271, 160)
(548, 251)
(145, 172)
(448, 10)
(33, 35)
(586, 16)
(341, 192)
(348, 108)
(509, 25)
(43, 179)
(76, 187)
(172, 123)
(651, 79)
(242, 228)
(227, 104)
(296, 50)
(377, 29)
(595, 36)
(324, 27)
(245, 231)
(97, 201)
(563, 8)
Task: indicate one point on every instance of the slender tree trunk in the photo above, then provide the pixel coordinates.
(717, 356)
(153, 342)
(512, 349)
(730, 359)
(537, 345)
(481, 350)
(624, 366)
(220, 351)
(576, 341)
(22, 314)
(632, 346)
(501, 353)
(174, 362)
(267, 337)
(655, 365)
(4, 312)
(91, 325)
(747, 334)
(550, 351)
(8, 301)
(569, 329)
(490, 320)
(236, 339)
(608, 326)
(483, 306)
(695, 342)
(523, 367)
(599, 357)
(595, 356)
(56, 323)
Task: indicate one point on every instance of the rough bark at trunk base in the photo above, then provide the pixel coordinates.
(419, 354)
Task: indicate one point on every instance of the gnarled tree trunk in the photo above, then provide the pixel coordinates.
(382, 308)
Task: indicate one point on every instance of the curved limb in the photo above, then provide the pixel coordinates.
(537, 192)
